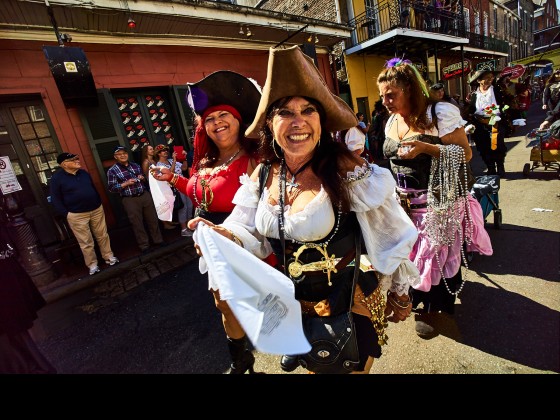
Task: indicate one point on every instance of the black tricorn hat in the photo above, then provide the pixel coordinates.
(225, 87)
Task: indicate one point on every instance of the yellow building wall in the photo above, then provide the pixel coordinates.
(362, 74)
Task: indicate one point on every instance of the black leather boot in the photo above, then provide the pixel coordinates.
(242, 358)
(289, 363)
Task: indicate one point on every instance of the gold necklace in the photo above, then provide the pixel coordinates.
(207, 195)
(404, 135)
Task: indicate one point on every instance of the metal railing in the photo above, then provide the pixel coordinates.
(487, 43)
(383, 18)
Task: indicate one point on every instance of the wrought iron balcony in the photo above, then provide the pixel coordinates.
(378, 20)
(487, 43)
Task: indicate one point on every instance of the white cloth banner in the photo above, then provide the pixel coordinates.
(261, 297)
(163, 198)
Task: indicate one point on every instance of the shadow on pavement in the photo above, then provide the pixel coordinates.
(508, 325)
(169, 326)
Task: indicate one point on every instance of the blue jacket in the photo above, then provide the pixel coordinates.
(73, 193)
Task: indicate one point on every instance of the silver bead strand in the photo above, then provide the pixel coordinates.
(443, 221)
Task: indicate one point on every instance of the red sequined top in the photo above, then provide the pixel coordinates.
(224, 185)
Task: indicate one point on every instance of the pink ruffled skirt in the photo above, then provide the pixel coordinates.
(424, 252)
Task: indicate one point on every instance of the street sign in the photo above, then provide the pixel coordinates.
(514, 72)
(487, 65)
(456, 69)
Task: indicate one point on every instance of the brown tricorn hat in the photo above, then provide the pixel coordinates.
(292, 73)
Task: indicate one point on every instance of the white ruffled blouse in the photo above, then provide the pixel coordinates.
(388, 232)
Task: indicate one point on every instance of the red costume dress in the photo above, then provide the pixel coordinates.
(219, 192)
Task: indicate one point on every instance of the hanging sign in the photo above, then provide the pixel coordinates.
(487, 65)
(456, 69)
(8, 179)
(514, 72)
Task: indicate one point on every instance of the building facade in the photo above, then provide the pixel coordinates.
(125, 68)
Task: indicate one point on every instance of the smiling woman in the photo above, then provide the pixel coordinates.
(311, 201)
(224, 102)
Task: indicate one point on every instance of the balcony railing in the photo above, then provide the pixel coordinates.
(383, 18)
(486, 43)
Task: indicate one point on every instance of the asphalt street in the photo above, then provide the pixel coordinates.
(507, 318)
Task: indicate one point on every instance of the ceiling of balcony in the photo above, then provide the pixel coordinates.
(161, 21)
(395, 43)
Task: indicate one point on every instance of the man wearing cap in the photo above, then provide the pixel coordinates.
(126, 179)
(439, 93)
(74, 196)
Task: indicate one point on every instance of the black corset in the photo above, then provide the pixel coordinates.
(314, 287)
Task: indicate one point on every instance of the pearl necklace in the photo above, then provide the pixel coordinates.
(207, 195)
(443, 221)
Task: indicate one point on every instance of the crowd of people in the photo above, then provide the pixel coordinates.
(262, 176)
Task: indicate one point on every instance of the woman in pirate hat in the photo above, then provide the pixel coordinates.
(316, 197)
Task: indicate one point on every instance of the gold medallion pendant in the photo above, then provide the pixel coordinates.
(207, 195)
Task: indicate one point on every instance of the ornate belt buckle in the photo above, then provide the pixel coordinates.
(327, 264)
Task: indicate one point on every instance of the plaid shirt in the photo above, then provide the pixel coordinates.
(117, 174)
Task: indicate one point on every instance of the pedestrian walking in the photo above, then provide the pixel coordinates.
(485, 104)
(429, 153)
(75, 198)
(126, 179)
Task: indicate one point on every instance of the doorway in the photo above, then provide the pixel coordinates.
(26, 139)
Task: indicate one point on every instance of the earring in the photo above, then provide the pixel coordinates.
(274, 148)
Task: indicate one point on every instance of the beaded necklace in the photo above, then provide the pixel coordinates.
(295, 268)
(443, 220)
(207, 195)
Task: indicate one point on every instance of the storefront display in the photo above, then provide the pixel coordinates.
(146, 120)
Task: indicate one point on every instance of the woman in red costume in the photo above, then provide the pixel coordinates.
(224, 103)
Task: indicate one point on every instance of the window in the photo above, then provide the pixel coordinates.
(477, 23)
(495, 20)
(37, 140)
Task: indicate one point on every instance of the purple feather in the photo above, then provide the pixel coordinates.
(396, 62)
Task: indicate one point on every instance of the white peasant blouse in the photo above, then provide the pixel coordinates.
(388, 232)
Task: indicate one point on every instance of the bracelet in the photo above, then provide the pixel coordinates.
(403, 304)
(173, 180)
(235, 238)
(400, 304)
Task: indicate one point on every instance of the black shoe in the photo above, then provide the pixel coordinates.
(289, 363)
(425, 325)
(243, 364)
